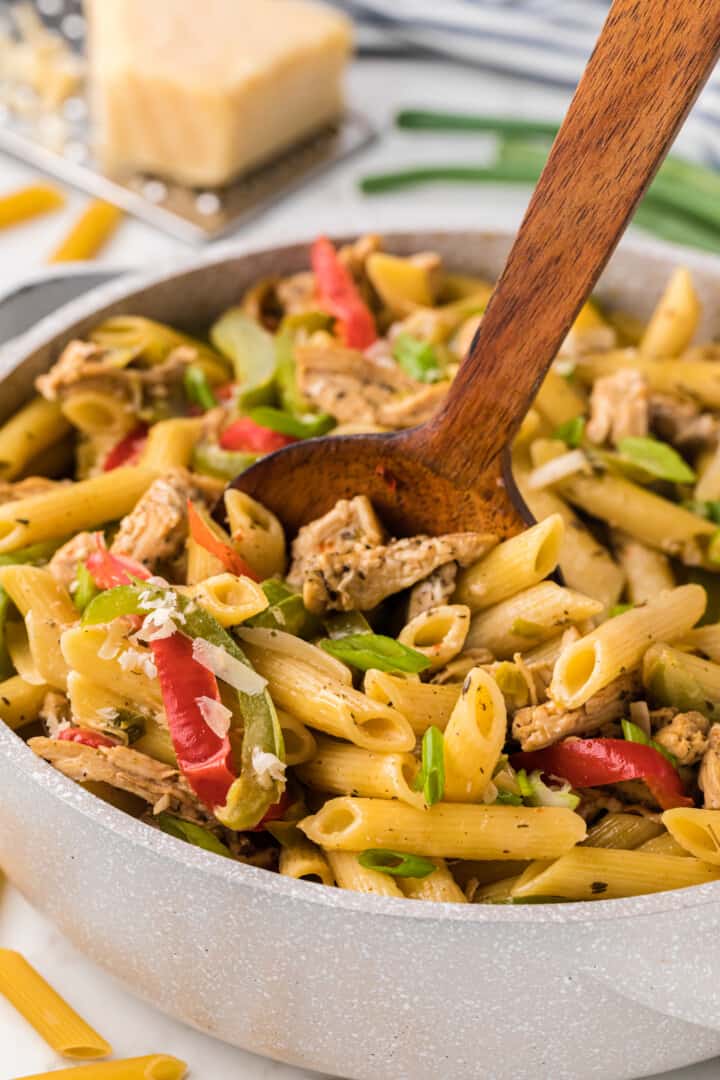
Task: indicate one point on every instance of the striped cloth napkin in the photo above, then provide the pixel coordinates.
(547, 41)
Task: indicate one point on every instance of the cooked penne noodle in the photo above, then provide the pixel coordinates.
(516, 564)
(257, 534)
(695, 379)
(331, 706)
(65, 510)
(603, 874)
(48, 611)
(20, 701)
(529, 617)
(99, 412)
(91, 651)
(344, 769)
(229, 599)
(201, 563)
(301, 860)
(423, 704)
(708, 469)
(170, 443)
(439, 886)
(277, 641)
(446, 830)
(675, 319)
(300, 743)
(665, 844)
(474, 738)
(698, 831)
(35, 427)
(625, 831)
(495, 892)
(703, 639)
(686, 682)
(18, 646)
(53, 1019)
(438, 633)
(349, 874)
(150, 1067)
(647, 571)
(618, 645)
(558, 401)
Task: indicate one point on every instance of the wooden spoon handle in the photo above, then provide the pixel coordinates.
(649, 65)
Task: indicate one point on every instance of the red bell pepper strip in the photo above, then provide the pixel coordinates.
(596, 762)
(84, 736)
(245, 434)
(338, 294)
(204, 758)
(128, 450)
(203, 535)
(108, 570)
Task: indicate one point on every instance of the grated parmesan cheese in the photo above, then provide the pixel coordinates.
(215, 714)
(135, 660)
(226, 667)
(267, 767)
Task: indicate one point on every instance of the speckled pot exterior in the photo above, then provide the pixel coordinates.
(356, 986)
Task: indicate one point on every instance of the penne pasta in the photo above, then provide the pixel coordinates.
(93, 652)
(446, 830)
(703, 639)
(647, 571)
(618, 645)
(349, 874)
(697, 831)
(558, 401)
(438, 633)
(511, 567)
(343, 769)
(439, 886)
(257, 534)
(301, 860)
(423, 704)
(529, 617)
(34, 428)
(99, 412)
(48, 611)
(664, 844)
(624, 831)
(229, 599)
(677, 679)
(20, 701)
(675, 319)
(170, 444)
(474, 738)
(300, 743)
(53, 1019)
(149, 1067)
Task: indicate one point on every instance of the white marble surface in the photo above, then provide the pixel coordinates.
(379, 87)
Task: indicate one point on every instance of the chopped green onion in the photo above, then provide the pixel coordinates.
(526, 628)
(544, 795)
(508, 798)
(431, 777)
(417, 358)
(346, 624)
(192, 834)
(85, 587)
(619, 609)
(634, 733)
(197, 388)
(523, 782)
(35, 554)
(396, 863)
(365, 651)
(656, 458)
(308, 426)
(571, 432)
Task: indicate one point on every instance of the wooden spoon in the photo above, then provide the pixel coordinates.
(452, 473)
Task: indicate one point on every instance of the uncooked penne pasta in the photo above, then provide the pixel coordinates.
(51, 1016)
(474, 738)
(149, 1067)
(603, 874)
(516, 564)
(529, 617)
(343, 769)
(446, 830)
(349, 874)
(618, 645)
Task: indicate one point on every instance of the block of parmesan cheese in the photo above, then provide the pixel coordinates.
(200, 91)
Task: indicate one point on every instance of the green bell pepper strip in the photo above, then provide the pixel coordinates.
(307, 426)
(286, 611)
(211, 460)
(367, 650)
(85, 587)
(289, 394)
(192, 834)
(197, 388)
(248, 800)
(252, 352)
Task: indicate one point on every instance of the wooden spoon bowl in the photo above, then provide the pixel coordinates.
(650, 63)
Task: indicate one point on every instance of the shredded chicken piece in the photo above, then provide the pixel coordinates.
(594, 801)
(64, 563)
(79, 360)
(434, 590)
(123, 768)
(25, 489)
(415, 408)
(297, 293)
(55, 712)
(359, 579)
(685, 736)
(709, 775)
(681, 422)
(156, 529)
(351, 386)
(542, 725)
(618, 407)
(350, 523)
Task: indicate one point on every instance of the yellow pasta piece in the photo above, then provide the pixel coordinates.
(31, 430)
(53, 1019)
(529, 617)
(514, 565)
(423, 704)
(278, 641)
(67, 510)
(349, 874)
(344, 769)
(229, 598)
(170, 443)
(626, 831)
(698, 831)
(48, 611)
(647, 571)
(150, 1067)
(603, 874)
(446, 830)
(304, 861)
(257, 534)
(708, 470)
(703, 639)
(98, 412)
(619, 644)
(20, 701)
(495, 892)
(90, 233)
(474, 738)
(91, 651)
(438, 633)
(300, 743)
(558, 400)
(18, 646)
(697, 379)
(665, 844)
(29, 202)
(675, 319)
(439, 886)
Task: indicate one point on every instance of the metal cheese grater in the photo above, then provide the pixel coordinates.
(59, 144)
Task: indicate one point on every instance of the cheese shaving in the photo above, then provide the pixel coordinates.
(267, 767)
(135, 660)
(215, 714)
(226, 667)
(114, 639)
